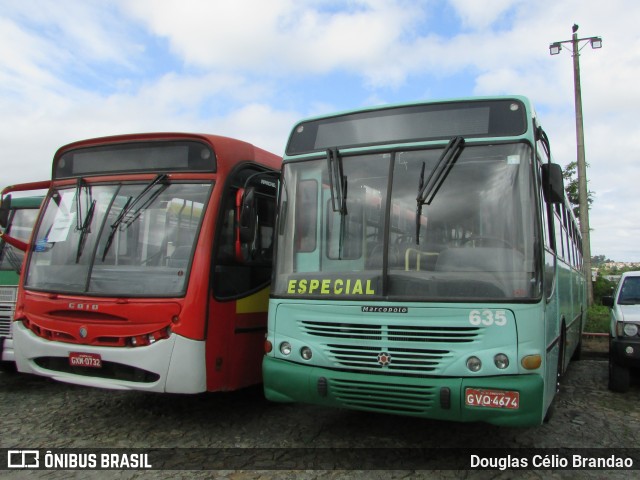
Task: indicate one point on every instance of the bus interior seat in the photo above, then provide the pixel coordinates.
(415, 258)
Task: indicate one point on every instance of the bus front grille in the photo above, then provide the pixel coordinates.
(390, 361)
(7, 309)
(343, 330)
(383, 396)
(410, 350)
(395, 333)
(109, 370)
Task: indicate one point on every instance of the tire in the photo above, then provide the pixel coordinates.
(550, 411)
(618, 377)
(559, 371)
(577, 353)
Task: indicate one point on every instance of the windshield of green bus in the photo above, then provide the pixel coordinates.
(118, 239)
(20, 225)
(477, 236)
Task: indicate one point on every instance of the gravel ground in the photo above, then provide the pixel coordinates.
(40, 413)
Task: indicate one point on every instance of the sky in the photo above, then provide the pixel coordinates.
(250, 69)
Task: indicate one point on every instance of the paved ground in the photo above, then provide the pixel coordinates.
(39, 413)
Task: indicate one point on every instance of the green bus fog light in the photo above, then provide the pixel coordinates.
(474, 364)
(501, 361)
(305, 352)
(285, 348)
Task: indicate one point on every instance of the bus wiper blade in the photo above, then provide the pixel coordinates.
(133, 216)
(85, 229)
(419, 206)
(129, 206)
(80, 186)
(11, 256)
(83, 223)
(428, 190)
(337, 181)
(338, 187)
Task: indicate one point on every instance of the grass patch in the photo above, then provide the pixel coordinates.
(597, 319)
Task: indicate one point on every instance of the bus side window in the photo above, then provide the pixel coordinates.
(243, 265)
(305, 237)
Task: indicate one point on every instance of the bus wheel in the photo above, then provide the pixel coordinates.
(618, 377)
(551, 409)
(577, 353)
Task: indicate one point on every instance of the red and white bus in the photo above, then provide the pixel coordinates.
(150, 265)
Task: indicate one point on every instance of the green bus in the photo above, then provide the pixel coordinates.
(427, 264)
(18, 220)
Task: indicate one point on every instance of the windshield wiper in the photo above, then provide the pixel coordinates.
(338, 187)
(83, 224)
(337, 181)
(10, 255)
(428, 190)
(127, 217)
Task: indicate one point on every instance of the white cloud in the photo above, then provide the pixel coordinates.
(70, 70)
(482, 14)
(281, 37)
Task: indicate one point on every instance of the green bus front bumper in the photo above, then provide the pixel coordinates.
(436, 398)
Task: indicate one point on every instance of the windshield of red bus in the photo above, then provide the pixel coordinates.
(473, 236)
(118, 239)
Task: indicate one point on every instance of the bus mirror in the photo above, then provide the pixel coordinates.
(247, 219)
(552, 183)
(607, 301)
(5, 209)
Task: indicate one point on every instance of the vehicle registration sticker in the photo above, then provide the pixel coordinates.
(475, 397)
(78, 359)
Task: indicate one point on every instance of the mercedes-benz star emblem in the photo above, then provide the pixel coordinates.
(384, 358)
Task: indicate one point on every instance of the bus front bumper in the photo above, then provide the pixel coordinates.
(436, 398)
(172, 365)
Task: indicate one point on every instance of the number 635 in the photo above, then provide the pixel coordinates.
(488, 317)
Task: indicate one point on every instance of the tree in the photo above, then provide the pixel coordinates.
(599, 260)
(602, 287)
(570, 175)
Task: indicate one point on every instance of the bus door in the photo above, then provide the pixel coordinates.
(241, 275)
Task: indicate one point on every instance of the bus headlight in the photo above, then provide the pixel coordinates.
(630, 329)
(474, 364)
(285, 348)
(305, 352)
(501, 361)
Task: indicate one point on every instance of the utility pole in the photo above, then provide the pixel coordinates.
(576, 45)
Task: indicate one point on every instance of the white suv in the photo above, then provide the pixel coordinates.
(624, 341)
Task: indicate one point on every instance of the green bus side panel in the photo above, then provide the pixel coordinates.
(9, 277)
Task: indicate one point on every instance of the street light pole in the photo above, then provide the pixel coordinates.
(554, 49)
